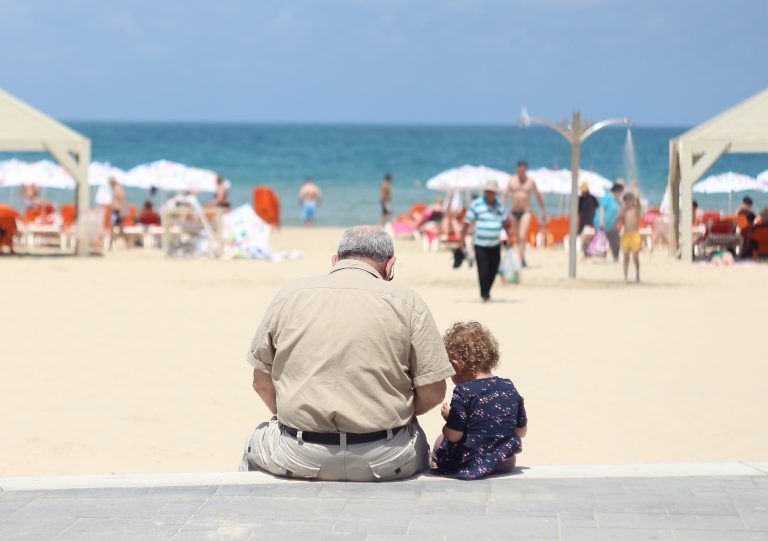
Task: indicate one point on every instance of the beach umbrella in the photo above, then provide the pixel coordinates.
(172, 176)
(467, 178)
(99, 174)
(44, 173)
(762, 181)
(558, 181)
(727, 183)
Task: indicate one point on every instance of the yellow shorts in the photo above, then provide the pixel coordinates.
(631, 242)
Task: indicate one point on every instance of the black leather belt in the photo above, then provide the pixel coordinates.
(334, 438)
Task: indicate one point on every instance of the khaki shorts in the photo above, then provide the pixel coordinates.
(274, 450)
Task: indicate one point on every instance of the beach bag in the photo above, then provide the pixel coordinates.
(510, 268)
(598, 246)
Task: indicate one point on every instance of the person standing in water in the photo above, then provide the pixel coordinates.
(386, 198)
(309, 199)
(520, 188)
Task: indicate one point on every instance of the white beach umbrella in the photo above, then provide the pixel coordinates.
(9, 170)
(727, 183)
(99, 174)
(172, 176)
(762, 181)
(558, 181)
(44, 173)
(467, 178)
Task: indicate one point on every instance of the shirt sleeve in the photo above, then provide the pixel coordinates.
(457, 417)
(470, 216)
(428, 361)
(261, 354)
(522, 417)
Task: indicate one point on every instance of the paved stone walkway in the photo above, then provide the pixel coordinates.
(683, 508)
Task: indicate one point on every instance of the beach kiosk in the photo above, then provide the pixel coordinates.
(25, 129)
(740, 129)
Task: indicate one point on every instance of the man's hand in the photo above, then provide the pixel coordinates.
(446, 409)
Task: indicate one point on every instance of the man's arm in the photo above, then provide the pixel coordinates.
(427, 396)
(262, 384)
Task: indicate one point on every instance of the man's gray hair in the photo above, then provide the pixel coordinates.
(364, 241)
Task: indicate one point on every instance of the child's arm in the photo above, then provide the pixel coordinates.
(455, 417)
(452, 435)
(521, 431)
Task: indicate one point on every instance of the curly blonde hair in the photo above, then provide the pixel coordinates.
(472, 346)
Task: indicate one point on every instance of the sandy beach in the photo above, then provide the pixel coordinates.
(135, 363)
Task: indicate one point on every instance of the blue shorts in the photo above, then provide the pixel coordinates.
(308, 211)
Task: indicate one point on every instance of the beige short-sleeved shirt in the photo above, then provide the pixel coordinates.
(346, 350)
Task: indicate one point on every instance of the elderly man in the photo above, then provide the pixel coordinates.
(347, 361)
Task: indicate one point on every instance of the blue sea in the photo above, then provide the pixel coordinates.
(348, 161)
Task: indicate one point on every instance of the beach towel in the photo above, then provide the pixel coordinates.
(510, 268)
(598, 246)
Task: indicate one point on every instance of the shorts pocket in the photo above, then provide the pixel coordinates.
(391, 466)
(294, 464)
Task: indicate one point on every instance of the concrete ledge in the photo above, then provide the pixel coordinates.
(257, 478)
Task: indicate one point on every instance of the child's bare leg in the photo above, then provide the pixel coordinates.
(626, 266)
(636, 261)
(507, 466)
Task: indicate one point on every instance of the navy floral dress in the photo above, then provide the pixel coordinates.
(487, 410)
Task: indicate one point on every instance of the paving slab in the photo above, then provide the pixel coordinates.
(723, 507)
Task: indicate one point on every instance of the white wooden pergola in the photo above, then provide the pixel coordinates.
(740, 129)
(25, 129)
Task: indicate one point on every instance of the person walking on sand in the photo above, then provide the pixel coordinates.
(118, 212)
(346, 362)
(385, 193)
(486, 216)
(520, 189)
(310, 197)
(607, 217)
(631, 241)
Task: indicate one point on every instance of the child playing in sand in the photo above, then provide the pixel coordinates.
(486, 418)
(630, 239)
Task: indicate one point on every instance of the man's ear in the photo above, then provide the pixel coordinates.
(334, 260)
(389, 268)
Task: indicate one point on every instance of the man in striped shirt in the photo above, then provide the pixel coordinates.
(488, 218)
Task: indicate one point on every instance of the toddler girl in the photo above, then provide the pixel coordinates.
(486, 417)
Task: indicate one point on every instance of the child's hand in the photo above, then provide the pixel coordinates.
(445, 410)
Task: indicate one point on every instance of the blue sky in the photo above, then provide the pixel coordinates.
(672, 62)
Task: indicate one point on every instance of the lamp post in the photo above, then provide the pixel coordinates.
(575, 133)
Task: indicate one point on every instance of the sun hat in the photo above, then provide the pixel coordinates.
(491, 186)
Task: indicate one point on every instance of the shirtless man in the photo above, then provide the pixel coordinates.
(386, 198)
(309, 199)
(222, 194)
(119, 211)
(520, 189)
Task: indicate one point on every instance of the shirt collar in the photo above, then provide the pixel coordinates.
(343, 264)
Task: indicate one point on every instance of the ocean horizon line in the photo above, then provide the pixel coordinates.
(319, 124)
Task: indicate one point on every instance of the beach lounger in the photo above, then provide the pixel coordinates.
(720, 235)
